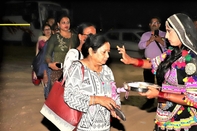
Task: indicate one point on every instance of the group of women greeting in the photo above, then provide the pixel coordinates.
(91, 92)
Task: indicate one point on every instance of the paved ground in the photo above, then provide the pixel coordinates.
(21, 101)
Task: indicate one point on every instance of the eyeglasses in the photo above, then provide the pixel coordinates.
(47, 29)
(155, 23)
(85, 34)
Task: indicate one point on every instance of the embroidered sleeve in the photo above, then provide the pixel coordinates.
(176, 89)
(191, 94)
(156, 61)
(114, 94)
(72, 95)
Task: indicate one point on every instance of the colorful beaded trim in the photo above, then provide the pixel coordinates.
(190, 91)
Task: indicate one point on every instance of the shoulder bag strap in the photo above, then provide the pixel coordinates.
(79, 56)
(82, 69)
(159, 46)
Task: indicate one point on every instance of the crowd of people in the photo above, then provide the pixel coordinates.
(173, 68)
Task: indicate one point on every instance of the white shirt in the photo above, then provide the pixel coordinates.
(80, 86)
(72, 55)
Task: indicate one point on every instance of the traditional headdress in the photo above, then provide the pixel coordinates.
(185, 29)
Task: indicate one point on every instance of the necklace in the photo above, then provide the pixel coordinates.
(188, 64)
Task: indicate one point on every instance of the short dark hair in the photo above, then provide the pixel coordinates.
(80, 29)
(94, 42)
(82, 26)
(45, 25)
(155, 17)
(60, 15)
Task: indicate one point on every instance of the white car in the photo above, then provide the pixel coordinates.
(127, 37)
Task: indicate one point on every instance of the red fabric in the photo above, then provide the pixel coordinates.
(161, 95)
(37, 81)
(55, 101)
(41, 44)
(140, 63)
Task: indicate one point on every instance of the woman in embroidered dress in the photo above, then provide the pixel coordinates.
(91, 92)
(46, 34)
(83, 30)
(176, 73)
(58, 46)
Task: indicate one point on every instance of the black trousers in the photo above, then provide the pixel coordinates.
(148, 76)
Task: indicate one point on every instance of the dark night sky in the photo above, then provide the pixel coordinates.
(126, 14)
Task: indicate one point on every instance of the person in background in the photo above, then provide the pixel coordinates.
(58, 46)
(50, 20)
(176, 73)
(91, 92)
(153, 45)
(83, 30)
(46, 34)
(55, 28)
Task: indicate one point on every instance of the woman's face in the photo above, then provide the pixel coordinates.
(86, 32)
(64, 24)
(47, 31)
(51, 21)
(172, 36)
(102, 54)
(55, 30)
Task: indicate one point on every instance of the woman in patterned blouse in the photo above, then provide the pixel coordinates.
(176, 73)
(91, 92)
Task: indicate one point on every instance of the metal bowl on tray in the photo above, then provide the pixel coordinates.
(138, 86)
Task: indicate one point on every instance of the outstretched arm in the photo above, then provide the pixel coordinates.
(126, 59)
(182, 99)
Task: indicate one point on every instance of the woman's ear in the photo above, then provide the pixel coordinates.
(90, 50)
(80, 37)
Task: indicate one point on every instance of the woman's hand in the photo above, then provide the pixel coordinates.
(113, 114)
(151, 93)
(34, 75)
(105, 101)
(126, 59)
(45, 79)
(53, 66)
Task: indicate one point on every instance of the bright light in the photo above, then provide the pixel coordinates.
(14, 24)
